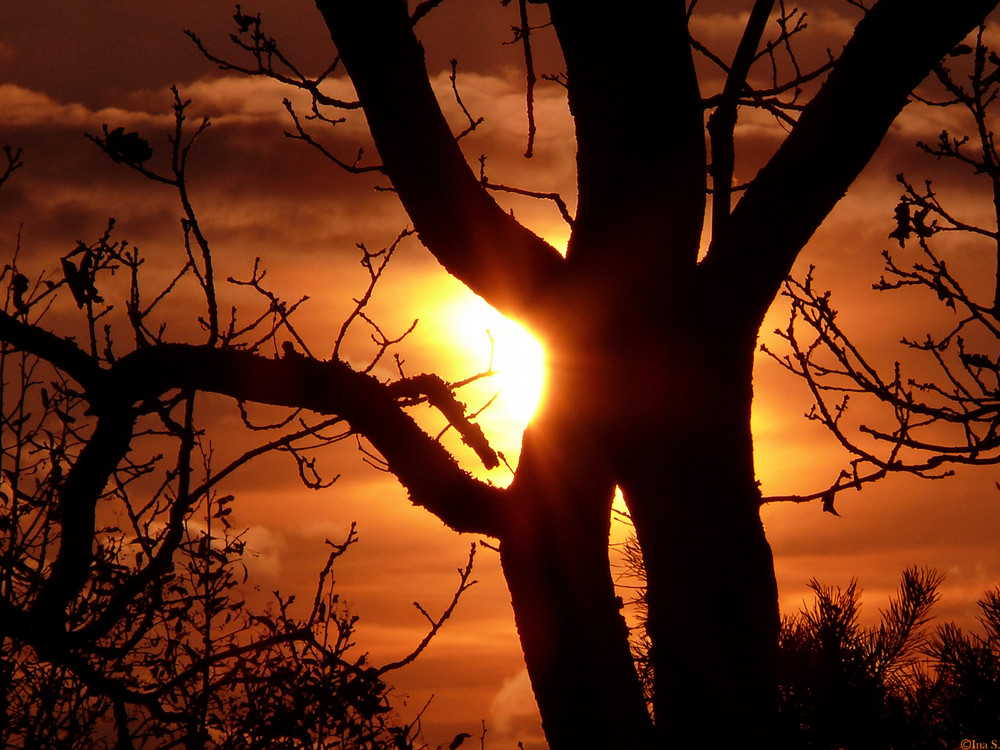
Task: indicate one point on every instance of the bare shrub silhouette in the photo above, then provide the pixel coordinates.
(122, 575)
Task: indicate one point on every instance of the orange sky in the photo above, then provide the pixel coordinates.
(66, 69)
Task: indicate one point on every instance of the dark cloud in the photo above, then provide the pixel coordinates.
(99, 52)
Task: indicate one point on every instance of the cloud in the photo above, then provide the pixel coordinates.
(513, 715)
(244, 98)
(720, 32)
(22, 107)
(264, 551)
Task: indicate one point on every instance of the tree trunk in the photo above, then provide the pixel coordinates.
(652, 350)
(555, 559)
(713, 616)
(660, 422)
(712, 602)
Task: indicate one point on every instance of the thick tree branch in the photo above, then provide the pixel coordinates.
(430, 474)
(722, 123)
(423, 466)
(455, 217)
(78, 496)
(894, 47)
(439, 395)
(634, 97)
(62, 353)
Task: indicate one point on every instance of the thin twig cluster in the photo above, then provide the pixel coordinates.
(929, 424)
(122, 613)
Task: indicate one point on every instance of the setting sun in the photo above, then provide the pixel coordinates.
(518, 360)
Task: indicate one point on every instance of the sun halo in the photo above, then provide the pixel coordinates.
(515, 357)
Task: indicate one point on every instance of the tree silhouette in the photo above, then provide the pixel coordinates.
(847, 686)
(893, 685)
(650, 336)
(965, 697)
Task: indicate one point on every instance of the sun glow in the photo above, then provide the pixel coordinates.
(515, 356)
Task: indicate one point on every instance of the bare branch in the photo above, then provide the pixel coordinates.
(270, 62)
(829, 144)
(474, 238)
(473, 123)
(374, 269)
(554, 197)
(300, 134)
(14, 162)
(442, 397)
(722, 123)
(464, 584)
(522, 34)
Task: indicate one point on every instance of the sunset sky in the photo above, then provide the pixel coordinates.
(67, 68)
